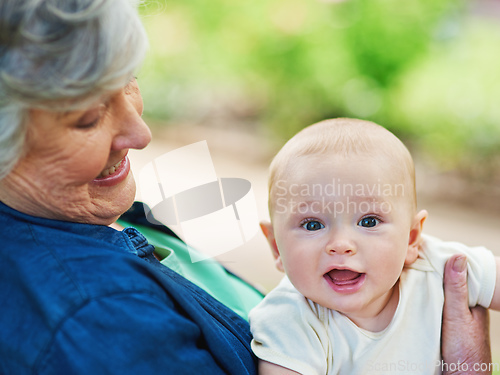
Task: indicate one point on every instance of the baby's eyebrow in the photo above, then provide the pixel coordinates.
(308, 202)
(368, 198)
(372, 200)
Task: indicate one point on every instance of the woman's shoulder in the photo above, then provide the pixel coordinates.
(65, 281)
(65, 269)
(50, 278)
(60, 265)
(64, 265)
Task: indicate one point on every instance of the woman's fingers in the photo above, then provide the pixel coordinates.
(465, 332)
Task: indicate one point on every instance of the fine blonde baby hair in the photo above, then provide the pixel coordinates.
(344, 137)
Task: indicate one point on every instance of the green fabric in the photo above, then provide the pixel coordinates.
(208, 274)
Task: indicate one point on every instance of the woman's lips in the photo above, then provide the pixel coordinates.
(115, 174)
(110, 170)
(344, 280)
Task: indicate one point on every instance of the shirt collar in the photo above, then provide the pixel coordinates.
(129, 239)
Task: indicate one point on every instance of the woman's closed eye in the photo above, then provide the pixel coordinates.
(90, 119)
(88, 125)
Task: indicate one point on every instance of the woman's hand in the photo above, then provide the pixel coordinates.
(465, 333)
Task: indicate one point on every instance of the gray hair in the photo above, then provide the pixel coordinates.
(59, 55)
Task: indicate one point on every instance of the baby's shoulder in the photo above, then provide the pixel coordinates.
(286, 303)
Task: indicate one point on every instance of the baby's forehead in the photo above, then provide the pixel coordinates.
(354, 167)
(360, 177)
(343, 173)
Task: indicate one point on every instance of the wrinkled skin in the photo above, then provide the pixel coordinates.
(465, 334)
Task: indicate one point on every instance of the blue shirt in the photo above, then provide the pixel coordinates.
(87, 299)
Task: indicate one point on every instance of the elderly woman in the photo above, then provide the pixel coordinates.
(78, 296)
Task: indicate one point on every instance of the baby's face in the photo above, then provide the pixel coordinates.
(342, 229)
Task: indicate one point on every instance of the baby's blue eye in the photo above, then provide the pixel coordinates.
(313, 225)
(368, 222)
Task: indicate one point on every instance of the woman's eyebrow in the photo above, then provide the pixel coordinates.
(103, 99)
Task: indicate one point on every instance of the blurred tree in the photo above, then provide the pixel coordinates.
(386, 36)
(284, 64)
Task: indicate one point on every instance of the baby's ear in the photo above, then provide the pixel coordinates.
(268, 230)
(415, 238)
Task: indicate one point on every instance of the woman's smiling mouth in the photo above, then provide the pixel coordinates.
(115, 174)
(110, 170)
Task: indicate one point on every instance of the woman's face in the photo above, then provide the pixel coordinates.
(76, 166)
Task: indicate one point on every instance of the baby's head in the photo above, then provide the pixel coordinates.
(345, 139)
(342, 203)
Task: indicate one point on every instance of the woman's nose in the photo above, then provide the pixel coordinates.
(136, 135)
(132, 130)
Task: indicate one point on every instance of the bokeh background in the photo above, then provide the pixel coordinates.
(247, 75)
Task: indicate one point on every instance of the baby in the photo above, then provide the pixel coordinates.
(363, 291)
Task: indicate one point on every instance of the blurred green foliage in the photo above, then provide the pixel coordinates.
(426, 69)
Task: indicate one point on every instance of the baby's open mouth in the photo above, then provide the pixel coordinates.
(343, 277)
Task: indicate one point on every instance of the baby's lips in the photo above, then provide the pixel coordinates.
(343, 276)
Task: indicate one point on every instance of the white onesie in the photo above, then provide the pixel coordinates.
(294, 332)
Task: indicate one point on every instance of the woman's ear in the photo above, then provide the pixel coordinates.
(268, 230)
(415, 238)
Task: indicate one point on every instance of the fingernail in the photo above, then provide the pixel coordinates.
(459, 264)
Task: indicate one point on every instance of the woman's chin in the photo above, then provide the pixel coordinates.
(108, 203)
